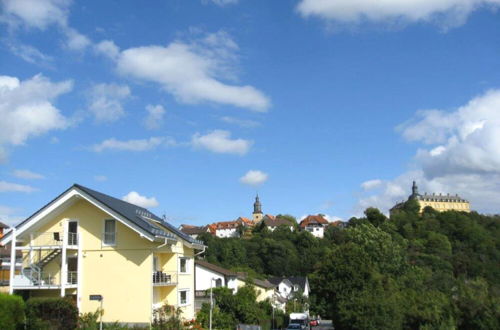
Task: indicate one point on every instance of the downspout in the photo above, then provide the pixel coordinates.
(202, 251)
(162, 245)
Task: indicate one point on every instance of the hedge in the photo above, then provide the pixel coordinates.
(11, 312)
(51, 313)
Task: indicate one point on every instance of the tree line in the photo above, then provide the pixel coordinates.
(410, 271)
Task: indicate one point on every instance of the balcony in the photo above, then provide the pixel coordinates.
(51, 240)
(164, 278)
(33, 279)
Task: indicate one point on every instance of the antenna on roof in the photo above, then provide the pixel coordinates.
(164, 216)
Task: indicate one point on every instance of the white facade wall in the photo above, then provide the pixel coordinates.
(226, 232)
(285, 289)
(203, 277)
(316, 231)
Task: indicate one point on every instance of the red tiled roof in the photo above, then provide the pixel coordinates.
(311, 219)
(227, 224)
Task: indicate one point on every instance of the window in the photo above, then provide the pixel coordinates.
(183, 265)
(218, 283)
(183, 297)
(109, 232)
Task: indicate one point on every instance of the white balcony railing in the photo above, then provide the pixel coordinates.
(72, 277)
(164, 278)
(54, 238)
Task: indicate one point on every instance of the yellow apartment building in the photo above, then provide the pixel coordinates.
(85, 243)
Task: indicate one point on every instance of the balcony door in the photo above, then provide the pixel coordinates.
(72, 232)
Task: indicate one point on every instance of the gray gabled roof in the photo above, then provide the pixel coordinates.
(138, 216)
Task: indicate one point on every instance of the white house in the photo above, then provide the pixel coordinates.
(283, 286)
(227, 229)
(208, 275)
(315, 224)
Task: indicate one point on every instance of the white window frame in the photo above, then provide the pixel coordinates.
(104, 233)
(188, 300)
(188, 266)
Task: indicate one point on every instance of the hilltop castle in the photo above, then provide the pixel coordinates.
(439, 202)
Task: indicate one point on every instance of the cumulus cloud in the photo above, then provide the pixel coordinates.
(7, 215)
(461, 155)
(27, 110)
(40, 14)
(75, 40)
(448, 12)
(371, 184)
(254, 178)
(154, 119)
(36, 13)
(135, 198)
(27, 175)
(219, 141)
(131, 145)
(15, 187)
(107, 48)
(106, 101)
(193, 71)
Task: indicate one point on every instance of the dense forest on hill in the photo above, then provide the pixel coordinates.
(412, 271)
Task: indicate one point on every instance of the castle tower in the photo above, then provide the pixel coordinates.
(414, 191)
(257, 210)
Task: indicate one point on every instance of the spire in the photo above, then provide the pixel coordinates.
(257, 207)
(414, 191)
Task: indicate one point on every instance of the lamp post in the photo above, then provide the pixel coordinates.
(211, 302)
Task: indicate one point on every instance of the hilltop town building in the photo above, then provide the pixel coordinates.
(438, 202)
(257, 210)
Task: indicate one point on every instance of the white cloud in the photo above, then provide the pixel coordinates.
(193, 71)
(371, 184)
(462, 155)
(107, 48)
(75, 40)
(40, 14)
(7, 215)
(29, 53)
(154, 120)
(445, 12)
(248, 123)
(219, 141)
(37, 13)
(26, 108)
(27, 174)
(221, 3)
(131, 145)
(142, 201)
(100, 178)
(254, 178)
(15, 187)
(332, 218)
(106, 101)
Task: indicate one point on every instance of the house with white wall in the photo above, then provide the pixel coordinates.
(315, 224)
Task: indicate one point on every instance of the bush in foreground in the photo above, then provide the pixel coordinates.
(51, 313)
(11, 311)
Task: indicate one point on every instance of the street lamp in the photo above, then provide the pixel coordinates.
(211, 301)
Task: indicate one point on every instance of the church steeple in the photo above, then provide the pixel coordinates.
(257, 209)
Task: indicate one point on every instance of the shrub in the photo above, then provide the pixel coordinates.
(166, 318)
(51, 313)
(11, 311)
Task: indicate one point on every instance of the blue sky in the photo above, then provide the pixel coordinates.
(189, 107)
